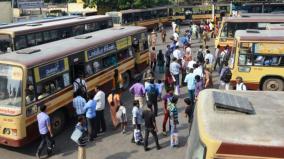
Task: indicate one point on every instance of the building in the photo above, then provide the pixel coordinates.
(6, 12)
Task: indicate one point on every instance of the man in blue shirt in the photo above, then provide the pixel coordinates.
(90, 109)
(190, 80)
(152, 93)
(45, 131)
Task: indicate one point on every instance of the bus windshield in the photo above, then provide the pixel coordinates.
(5, 43)
(10, 89)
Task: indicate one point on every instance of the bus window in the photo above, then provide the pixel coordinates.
(127, 18)
(109, 61)
(31, 39)
(78, 30)
(38, 38)
(51, 86)
(65, 33)
(54, 35)
(5, 43)
(46, 36)
(20, 42)
(30, 91)
(245, 55)
(90, 27)
(97, 66)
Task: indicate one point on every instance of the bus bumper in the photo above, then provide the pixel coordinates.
(11, 142)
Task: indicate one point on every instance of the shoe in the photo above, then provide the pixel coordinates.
(146, 149)
(37, 155)
(123, 131)
(158, 147)
(164, 133)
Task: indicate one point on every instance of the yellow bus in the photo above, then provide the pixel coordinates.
(259, 59)
(204, 12)
(149, 18)
(44, 75)
(230, 25)
(32, 34)
(237, 125)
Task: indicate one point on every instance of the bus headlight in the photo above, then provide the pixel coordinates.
(6, 131)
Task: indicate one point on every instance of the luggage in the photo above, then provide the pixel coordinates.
(138, 138)
(174, 139)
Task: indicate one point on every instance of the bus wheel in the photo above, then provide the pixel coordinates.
(126, 80)
(58, 119)
(273, 84)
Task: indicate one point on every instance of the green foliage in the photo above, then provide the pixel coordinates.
(125, 4)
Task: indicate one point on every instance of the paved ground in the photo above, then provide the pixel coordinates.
(113, 144)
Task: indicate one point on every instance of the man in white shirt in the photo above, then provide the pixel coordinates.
(198, 70)
(240, 86)
(190, 64)
(100, 100)
(176, 36)
(209, 56)
(81, 84)
(177, 53)
(174, 25)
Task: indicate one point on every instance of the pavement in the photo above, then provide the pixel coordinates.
(113, 144)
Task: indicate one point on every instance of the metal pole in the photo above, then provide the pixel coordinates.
(81, 152)
(213, 11)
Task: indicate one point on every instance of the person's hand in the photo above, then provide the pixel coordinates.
(51, 134)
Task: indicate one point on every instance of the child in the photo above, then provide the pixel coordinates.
(173, 120)
(161, 61)
(189, 112)
(121, 117)
(136, 121)
(160, 86)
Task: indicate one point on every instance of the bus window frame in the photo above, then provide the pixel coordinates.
(16, 41)
(31, 70)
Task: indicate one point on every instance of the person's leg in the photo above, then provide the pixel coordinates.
(90, 128)
(166, 117)
(98, 121)
(154, 133)
(146, 139)
(103, 122)
(41, 145)
(154, 68)
(227, 86)
(155, 104)
(94, 125)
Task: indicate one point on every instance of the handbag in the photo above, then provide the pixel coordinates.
(77, 135)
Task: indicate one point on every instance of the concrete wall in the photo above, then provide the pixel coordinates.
(6, 12)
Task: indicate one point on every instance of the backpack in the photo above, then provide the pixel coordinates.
(227, 75)
(200, 56)
(152, 93)
(81, 87)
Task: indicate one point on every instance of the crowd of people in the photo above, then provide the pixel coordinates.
(180, 66)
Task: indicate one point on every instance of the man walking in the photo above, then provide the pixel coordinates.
(45, 131)
(190, 80)
(150, 126)
(152, 96)
(138, 91)
(100, 99)
(175, 71)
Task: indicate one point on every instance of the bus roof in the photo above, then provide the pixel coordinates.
(41, 26)
(45, 20)
(264, 128)
(142, 10)
(58, 49)
(254, 18)
(275, 27)
(260, 35)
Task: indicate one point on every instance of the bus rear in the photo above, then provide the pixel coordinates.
(12, 128)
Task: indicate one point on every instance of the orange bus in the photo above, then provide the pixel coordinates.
(44, 75)
(258, 57)
(230, 25)
(32, 34)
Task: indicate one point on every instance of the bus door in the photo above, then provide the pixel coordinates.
(77, 66)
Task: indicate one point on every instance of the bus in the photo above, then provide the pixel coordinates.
(230, 25)
(200, 13)
(259, 8)
(275, 27)
(33, 34)
(258, 57)
(149, 18)
(45, 20)
(237, 125)
(44, 75)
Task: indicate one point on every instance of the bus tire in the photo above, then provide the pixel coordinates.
(126, 80)
(273, 84)
(58, 120)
